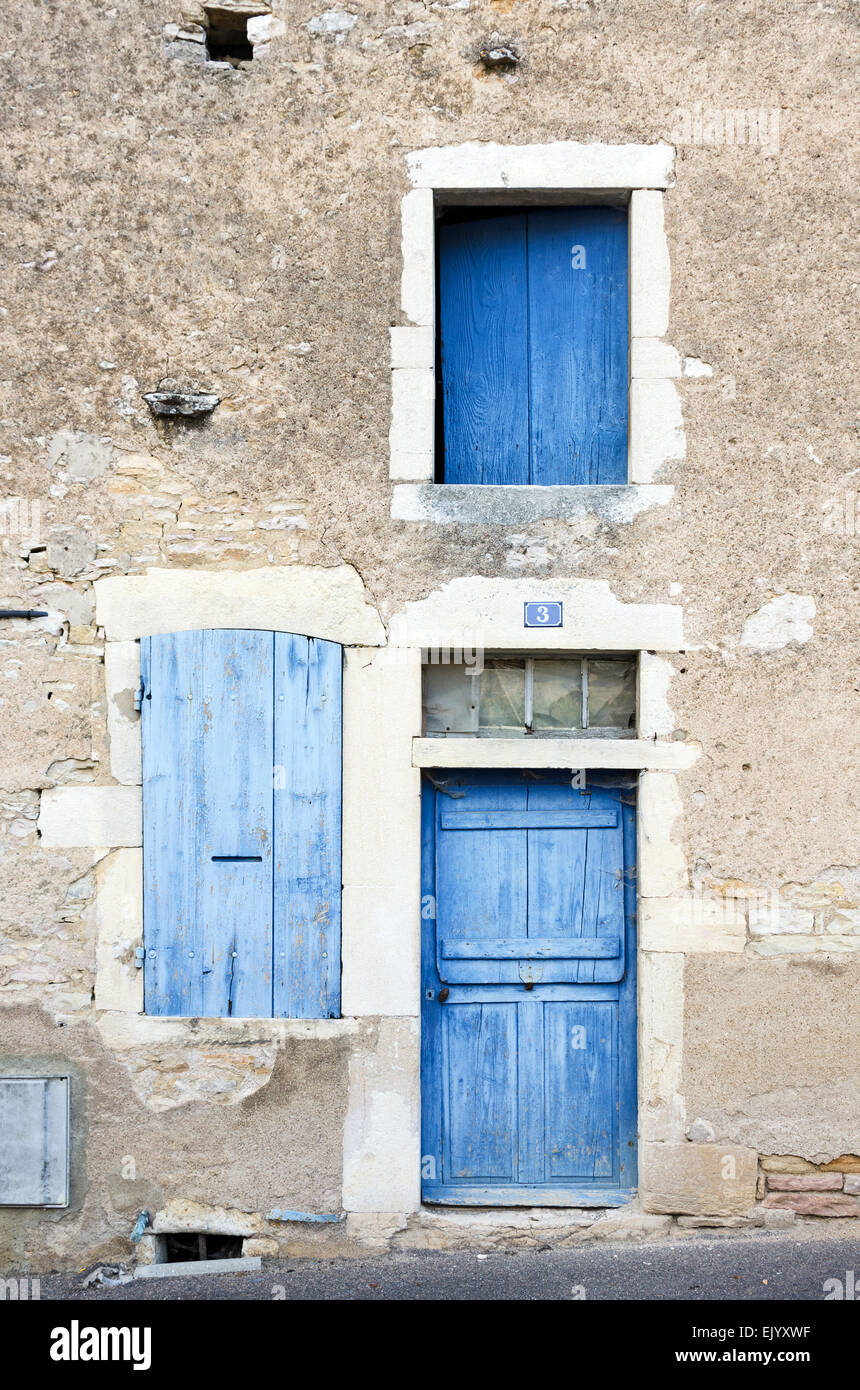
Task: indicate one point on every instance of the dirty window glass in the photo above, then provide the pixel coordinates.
(502, 696)
(557, 695)
(611, 694)
(519, 697)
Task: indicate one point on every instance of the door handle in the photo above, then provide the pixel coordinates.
(443, 995)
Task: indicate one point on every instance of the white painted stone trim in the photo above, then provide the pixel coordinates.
(650, 273)
(413, 414)
(418, 245)
(319, 601)
(117, 912)
(519, 505)
(122, 1032)
(662, 1113)
(608, 753)
(654, 715)
(488, 613)
(122, 679)
(381, 828)
(90, 817)
(656, 432)
(656, 429)
(382, 1129)
(564, 164)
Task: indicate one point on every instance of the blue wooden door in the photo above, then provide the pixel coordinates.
(528, 991)
(241, 735)
(534, 345)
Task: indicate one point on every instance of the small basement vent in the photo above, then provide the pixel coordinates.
(195, 1245)
(34, 1141)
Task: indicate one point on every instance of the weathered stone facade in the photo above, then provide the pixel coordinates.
(236, 230)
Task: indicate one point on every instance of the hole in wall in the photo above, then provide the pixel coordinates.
(227, 37)
(197, 1245)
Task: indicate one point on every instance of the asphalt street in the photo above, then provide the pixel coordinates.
(761, 1267)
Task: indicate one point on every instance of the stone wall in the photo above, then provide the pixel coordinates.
(236, 229)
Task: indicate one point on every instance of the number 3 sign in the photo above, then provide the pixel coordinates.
(543, 615)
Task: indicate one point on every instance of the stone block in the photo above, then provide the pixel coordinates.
(785, 1163)
(814, 1203)
(698, 1179)
(261, 1245)
(804, 1182)
(91, 817)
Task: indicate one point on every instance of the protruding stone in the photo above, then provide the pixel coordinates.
(189, 404)
(777, 1219)
(814, 1203)
(804, 1182)
(701, 1132)
(261, 1245)
(785, 1163)
(720, 1223)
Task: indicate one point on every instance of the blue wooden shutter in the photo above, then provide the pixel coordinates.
(483, 286)
(534, 343)
(238, 859)
(307, 880)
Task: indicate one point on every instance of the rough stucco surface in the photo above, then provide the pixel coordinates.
(240, 230)
(279, 1147)
(770, 1053)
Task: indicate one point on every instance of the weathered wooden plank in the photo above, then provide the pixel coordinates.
(233, 783)
(172, 741)
(483, 331)
(577, 277)
(531, 1093)
(535, 818)
(307, 827)
(531, 948)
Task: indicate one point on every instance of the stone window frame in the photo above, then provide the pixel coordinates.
(384, 754)
(636, 174)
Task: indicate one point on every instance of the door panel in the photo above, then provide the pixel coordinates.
(581, 1079)
(528, 1056)
(481, 1055)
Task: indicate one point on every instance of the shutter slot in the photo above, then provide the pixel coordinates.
(237, 858)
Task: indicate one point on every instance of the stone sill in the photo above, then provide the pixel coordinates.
(621, 754)
(450, 504)
(125, 1030)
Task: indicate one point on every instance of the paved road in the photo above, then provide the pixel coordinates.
(762, 1267)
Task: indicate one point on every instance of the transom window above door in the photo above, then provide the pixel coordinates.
(533, 346)
(513, 697)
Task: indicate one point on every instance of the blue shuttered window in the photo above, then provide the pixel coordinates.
(241, 824)
(534, 346)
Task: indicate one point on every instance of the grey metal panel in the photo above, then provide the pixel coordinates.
(34, 1141)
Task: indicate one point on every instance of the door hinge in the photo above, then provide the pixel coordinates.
(138, 698)
(139, 956)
